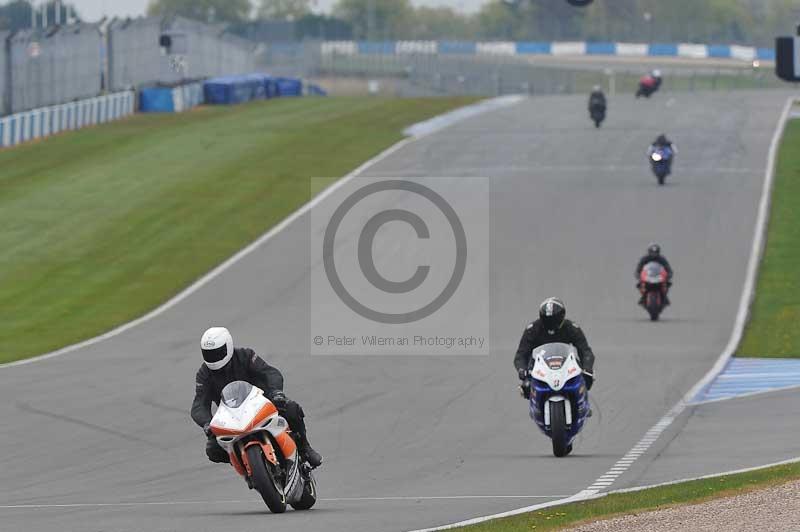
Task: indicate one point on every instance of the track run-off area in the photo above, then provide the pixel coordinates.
(100, 438)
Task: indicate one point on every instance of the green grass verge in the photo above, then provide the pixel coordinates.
(773, 327)
(101, 225)
(559, 517)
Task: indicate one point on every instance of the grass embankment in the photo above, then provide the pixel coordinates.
(773, 330)
(560, 517)
(101, 225)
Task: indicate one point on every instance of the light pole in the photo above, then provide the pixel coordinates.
(648, 17)
(370, 20)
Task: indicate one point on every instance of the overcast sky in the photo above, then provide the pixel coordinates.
(92, 10)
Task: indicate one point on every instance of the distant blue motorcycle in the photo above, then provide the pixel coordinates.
(661, 162)
(559, 403)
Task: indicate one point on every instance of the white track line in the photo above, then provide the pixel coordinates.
(622, 465)
(245, 501)
(444, 121)
(748, 292)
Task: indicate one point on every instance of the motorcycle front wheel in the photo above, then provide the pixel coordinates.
(264, 481)
(558, 429)
(653, 306)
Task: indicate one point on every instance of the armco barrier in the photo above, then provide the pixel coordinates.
(495, 48)
(543, 48)
(46, 121)
(663, 49)
(601, 48)
(187, 96)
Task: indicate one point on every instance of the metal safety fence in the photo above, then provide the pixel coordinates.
(59, 64)
(196, 50)
(47, 67)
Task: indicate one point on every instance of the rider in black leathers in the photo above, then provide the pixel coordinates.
(597, 99)
(552, 326)
(597, 103)
(224, 364)
(654, 255)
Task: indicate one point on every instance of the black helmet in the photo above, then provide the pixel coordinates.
(653, 250)
(661, 140)
(552, 312)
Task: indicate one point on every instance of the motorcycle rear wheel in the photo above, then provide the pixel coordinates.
(265, 482)
(558, 429)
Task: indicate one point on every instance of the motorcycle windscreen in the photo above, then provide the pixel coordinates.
(554, 355)
(235, 393)
(653, 272)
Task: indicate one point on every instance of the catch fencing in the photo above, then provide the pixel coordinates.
(197, 51)
(51, 66)
(59, 64)
(495, 68)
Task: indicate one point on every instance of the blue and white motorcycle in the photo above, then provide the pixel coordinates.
(559, 403)
(661, 162)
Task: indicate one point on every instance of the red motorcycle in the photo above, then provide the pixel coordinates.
(653, 285)
(648, 85)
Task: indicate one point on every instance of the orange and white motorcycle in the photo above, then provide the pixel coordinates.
(261, 448)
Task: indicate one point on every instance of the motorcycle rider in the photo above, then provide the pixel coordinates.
(597, 103)
(552, 326)
(654, 255)
(656, 75)
(223, 364)
(597, 99)
(662, 142)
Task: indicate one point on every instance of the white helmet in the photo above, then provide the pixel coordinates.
(656, 73)
(217, 347)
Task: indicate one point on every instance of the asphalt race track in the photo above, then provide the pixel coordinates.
(100, 439)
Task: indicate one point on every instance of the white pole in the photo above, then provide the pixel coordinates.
(44, 15)
(33, 16)
(58, 12)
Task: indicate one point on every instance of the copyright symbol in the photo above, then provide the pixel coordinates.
(318, 340)
(366, 260)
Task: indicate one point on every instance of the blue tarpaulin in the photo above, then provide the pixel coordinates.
(238, 89)
(156, 100)
(290, 87)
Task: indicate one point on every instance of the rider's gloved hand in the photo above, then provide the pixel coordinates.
(278, 399)
(525, 383)
(589, 378)
(207, 430)
(525, 389)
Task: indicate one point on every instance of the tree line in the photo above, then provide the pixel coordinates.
(704, 21)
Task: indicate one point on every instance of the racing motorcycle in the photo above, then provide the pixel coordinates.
(648, 85)
(261, 448)
(559, 403)
(653, 285)
(598, 114)
(661, 162)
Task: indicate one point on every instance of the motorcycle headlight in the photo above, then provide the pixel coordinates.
(656, 157)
